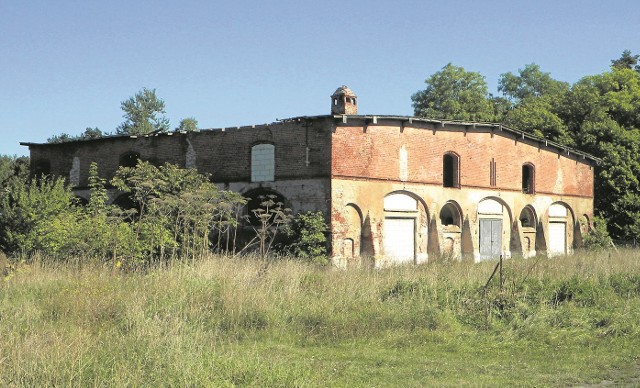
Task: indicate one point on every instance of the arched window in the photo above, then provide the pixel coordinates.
(528, 178)
(450, 215)
(450, 170)
(130, 159)
(528, 218)
(262, 162)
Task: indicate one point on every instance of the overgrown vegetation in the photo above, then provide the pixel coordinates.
(177, 213)
(225, 321)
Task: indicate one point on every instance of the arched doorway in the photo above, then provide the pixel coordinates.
(559, 229)
(405, 228)
(494, 229)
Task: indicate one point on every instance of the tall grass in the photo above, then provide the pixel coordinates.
(226, 321)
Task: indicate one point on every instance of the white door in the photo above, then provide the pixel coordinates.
(557, 238)
(399, 239)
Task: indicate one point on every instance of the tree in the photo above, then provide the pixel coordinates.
(626, 61)
(14, 174)
(142, 114)
(536, 115)
(454, 93)
(189, 124)
(536, 102)
(602, 116)
(530, 82)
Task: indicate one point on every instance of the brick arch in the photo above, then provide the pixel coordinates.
(532, 217)
(262, 135)
(419, 200)
(570, 212)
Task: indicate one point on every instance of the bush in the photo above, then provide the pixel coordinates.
(306, 238)
(598, 237)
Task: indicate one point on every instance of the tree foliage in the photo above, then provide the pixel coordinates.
(627, 61)
(530, 82)
(307, 238)
(456, 94)
(143, 114)
(189, 124)
(537, 101)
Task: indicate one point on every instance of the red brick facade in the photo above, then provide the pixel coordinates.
(373, 151)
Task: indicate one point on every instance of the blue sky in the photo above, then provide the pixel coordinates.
(67, 65)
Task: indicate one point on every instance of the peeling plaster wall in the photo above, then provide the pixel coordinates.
(369, 197)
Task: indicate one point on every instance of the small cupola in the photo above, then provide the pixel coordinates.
(344, 102)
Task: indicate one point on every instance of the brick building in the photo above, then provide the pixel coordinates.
(392, 188)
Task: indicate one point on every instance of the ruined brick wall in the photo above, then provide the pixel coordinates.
(302, 151)
(414, 154)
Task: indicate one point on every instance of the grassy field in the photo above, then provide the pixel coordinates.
(243, 322)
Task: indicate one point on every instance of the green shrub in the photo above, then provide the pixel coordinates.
(306, 238)
(598, 237)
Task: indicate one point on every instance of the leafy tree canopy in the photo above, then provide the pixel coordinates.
(536, 102)
(142, 114)
(454, 93)
(189, 124)
(530, 82)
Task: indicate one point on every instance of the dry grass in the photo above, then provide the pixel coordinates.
(236, 321)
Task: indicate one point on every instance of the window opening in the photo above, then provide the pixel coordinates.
(528, 179)
(527, 218)
(450, 170)
(450, 216)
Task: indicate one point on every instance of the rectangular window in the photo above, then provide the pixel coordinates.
(262, 163)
